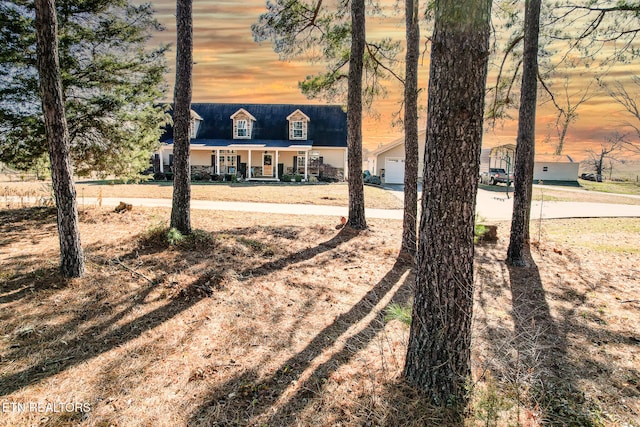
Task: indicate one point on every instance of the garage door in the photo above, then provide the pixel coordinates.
(394, 170)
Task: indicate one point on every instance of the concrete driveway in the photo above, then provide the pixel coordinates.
(491, 206)
(496, 206)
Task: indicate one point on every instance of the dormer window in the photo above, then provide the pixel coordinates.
(242, 124)
(192, 129)
(298, 125)
(194, 124)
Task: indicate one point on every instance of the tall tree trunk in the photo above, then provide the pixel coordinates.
(354, 117)
(526, 144)
(438, 355)
(180, 211)
(409, 222)
(71, 257)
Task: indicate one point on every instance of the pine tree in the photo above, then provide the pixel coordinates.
(317, 32)
(409, 222)
(180, 211)
(357, 218)
(111, 84)
(71, 258)
(526, 144)
(438, 356)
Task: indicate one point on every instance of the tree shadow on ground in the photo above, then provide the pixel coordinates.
(18, 286)
(15, 222)
(249, 399)
(102, 319)
(543, 372)
(558, 351)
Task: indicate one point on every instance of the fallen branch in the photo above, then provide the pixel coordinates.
(64, 359)
(629, 300)
(117, 260)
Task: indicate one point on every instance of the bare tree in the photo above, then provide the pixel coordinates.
(629, 99)
(567, 111)
(180, 211)
(438, 355)
(596, 161)
(409, 223)
(71, 256)
(525, 146)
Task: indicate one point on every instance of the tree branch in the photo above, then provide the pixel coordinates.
(372, 55)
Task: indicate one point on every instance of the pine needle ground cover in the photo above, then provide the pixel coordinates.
(296, 193)
(282, 320)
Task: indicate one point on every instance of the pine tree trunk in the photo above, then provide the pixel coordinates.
(526, 144)
(71, 257)
(180, 211)
(410, 219)
(354, 117)
(438, 355)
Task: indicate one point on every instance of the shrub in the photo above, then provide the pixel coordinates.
(285, 178)
(327, 179)
(159, 176)
(298, 178)
(399, 312)
(174, 237)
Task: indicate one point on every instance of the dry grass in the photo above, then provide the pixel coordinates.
(557, 194)
(297, 193)
(271, 320)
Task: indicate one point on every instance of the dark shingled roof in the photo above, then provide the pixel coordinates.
(327, 126)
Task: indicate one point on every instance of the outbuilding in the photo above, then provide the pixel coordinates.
(388, 162)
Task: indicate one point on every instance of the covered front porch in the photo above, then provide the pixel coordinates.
(251, 163)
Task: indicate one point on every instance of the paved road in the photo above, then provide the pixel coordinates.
(491, 206)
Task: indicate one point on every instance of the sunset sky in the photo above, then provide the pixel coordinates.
(231, 67)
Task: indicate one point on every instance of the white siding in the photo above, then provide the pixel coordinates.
(200, 158)
(555, 171)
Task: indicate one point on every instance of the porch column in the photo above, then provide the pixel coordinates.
(277, 161)
(249, 174)
(306, 165)
(345, 174)
(218, 161)
(161, 161)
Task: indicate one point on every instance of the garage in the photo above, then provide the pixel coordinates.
(394, 170)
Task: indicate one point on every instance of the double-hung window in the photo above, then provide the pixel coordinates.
(298, 130)
(241, 129)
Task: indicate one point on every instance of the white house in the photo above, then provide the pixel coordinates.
(388, 160)
(263, 141)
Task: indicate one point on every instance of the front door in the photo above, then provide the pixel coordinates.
(267, 164)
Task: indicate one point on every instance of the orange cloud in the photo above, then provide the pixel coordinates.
(231, 67)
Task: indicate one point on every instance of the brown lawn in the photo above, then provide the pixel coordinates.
(271, 320)
(298, 193)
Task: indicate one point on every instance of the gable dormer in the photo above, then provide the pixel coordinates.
(194, 124)
(242, 124)
(298, 125)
